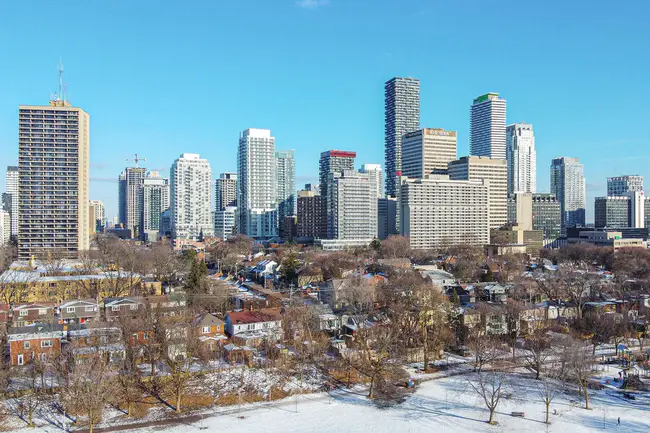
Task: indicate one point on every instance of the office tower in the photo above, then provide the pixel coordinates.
(546, 213)
(402, 115)
(313, 187)
(224, 222)
(130, 199)
(312, 215)
(155, 200)
(333, 161)
(10, 197)
(520, 210)
(487, 126)
(256, 185)
(386, 217)
(427, 151)
(436, 211)
(495, 174)
(620, 185)
(612, 212)
(53, 166)
(190, 197)
(568, 185)
(225, 191)
(376, 171)
(285, 176)
(5, 227)
(99, 215)
(351, 206)
(521, 156)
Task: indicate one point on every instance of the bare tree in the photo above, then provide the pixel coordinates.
(491, 386)
(579, 364)
(539, 349)
(395, 246)
(87, 389)
(513, 311)
(548, 388)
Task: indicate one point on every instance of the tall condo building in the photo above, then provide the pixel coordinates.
(155, 200)
(97, 215)
(5, 227)
(521, 156)
(436, 211)
(620, 185)
(352, 206)
(256, 185)
(10, 197)
(402, 115)
(191, 198)
(312, 215)
(376, 171)
(130, 199)
(494, 173)
(225, 191)
(285, 176)
(487, 126)
(427, 151)
(386, 217)
(53, 166)
(224, 222)
(568, 185)
(333, 161)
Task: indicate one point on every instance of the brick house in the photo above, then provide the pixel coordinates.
(42, 342)
(84, 341)
(31, 313)
(130, 306)
(78, 311)
(210, 330)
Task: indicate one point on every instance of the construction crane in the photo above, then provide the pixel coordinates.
(136, 160)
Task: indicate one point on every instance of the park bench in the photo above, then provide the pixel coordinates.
(518, 414)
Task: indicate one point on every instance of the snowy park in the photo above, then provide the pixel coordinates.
(445, 405)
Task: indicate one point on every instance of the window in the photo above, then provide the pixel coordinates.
(146, 335)
(103, 339)
(26, 345)
(46, 343)
(21, 359)
(134, 306)
(24, 312)
(70, 309)
(42, 312)
(43, 357)
(115, 308)
(206, 330)
(89, 309)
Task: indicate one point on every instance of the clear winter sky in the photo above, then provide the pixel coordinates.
(165, 77)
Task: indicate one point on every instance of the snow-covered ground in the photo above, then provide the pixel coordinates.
(442, 405)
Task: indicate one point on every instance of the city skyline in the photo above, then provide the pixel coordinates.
(583, 122)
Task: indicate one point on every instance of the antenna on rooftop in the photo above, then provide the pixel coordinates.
(60, 97)
(136, 160)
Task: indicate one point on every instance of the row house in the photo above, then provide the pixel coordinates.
(84, 341)
(250, 328)
(78, 311)
(38, 342)
(32, 313)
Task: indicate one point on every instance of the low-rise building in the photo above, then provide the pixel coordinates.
(84, 341)
(250, 328)
(210, 330)
(31, 313)
(78, 311)
(37, 342)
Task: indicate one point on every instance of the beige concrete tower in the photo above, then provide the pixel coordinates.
(53, 166)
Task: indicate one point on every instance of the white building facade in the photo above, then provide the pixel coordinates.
(256, 184)
(436, 211)
(352, 206)
(376, 171)
(10, 198)
(522, 158)
(568, 185)
(191, 197)
(427, 151)
(487, 135)
(224, 222)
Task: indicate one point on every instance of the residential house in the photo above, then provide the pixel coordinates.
(264, 268)
(531, 318)
(78, 311)
(176, 338)
(38, 342)
(464, 295)
(438, 277)
(327, 320)
(31, 313)
(397, 263)
(84, 340)
(210, 331)
(250, 328)
(4, 317)
(167, 305)
(114, 308)
(310, 274)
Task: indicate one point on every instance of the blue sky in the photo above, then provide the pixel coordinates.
(162, 78)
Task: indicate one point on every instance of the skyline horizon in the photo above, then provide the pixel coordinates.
(179, 79)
